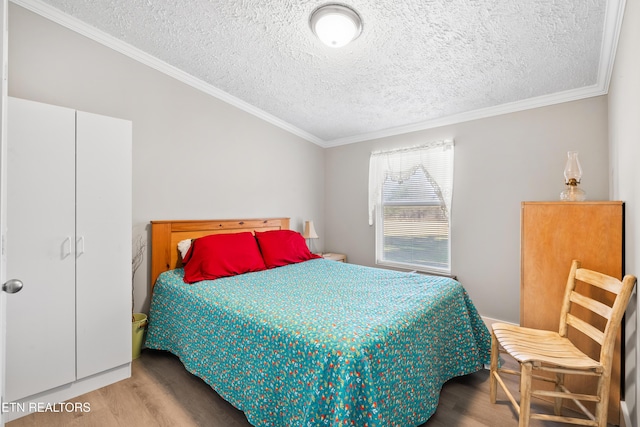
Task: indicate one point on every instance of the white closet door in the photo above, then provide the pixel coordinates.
(103, 216)
(40, 210)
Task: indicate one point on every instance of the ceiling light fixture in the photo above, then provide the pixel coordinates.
(335, 25)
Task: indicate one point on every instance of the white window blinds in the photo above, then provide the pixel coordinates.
(410, 192)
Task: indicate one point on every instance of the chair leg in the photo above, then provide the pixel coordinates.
(557, 407)
(495, 354)
(525, 394)
(602, 407)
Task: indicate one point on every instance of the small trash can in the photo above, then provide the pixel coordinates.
(138, 326)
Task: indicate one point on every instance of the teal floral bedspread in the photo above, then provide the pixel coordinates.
(322, 343)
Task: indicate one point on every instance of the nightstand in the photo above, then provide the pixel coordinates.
(334, 257)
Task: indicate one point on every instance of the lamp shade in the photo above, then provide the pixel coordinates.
(572, 169)
(309, 231)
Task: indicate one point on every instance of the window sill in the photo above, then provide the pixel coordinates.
(416, 269)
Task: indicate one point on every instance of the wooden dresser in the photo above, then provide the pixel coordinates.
(552, 235)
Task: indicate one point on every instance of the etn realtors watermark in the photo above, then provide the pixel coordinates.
(28, 407)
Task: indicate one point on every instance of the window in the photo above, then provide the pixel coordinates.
(410, 198)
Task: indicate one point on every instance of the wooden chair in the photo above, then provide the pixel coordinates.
(547, 351)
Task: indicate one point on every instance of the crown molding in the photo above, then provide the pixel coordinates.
(610, 36)
(136, 54)
(613, 23)
(611, 33)
(483, 113)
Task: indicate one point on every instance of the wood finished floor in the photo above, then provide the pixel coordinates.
(161, 392)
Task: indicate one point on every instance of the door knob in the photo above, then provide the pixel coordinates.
(12, 286)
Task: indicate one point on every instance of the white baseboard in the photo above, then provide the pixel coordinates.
(489, 321)
(60, 394)
(625, 419)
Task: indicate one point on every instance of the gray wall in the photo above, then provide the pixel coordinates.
(499, 162)
(197, 157)
(624, 134)
(194, 157)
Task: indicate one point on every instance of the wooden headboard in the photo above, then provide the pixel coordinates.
(165, 236)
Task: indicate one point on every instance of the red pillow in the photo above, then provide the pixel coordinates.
(222, 255)
(282, 247)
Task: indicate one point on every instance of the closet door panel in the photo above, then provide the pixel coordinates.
(104, 243)
(41, 202)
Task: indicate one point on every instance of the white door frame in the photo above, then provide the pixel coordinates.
(3, 192)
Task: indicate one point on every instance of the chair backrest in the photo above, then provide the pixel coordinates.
(612, 314)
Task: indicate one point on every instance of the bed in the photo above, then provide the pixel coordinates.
(317, 342)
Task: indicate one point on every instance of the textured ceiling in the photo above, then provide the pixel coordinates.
(416, 61)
